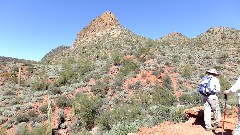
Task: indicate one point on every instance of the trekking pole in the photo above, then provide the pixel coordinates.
(224, 115)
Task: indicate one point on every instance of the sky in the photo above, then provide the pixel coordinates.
(30, 29)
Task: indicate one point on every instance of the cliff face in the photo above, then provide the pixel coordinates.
(103, 34)
(96, 28)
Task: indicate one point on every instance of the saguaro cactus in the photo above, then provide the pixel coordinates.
(19, 74)
(50, 116)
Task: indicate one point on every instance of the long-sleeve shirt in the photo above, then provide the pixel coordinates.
(215, 85)
(235, 87)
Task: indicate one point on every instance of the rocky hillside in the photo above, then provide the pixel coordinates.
(54, 52)
(220, 35)
(174, 38)
(102, 36)
(15, 60)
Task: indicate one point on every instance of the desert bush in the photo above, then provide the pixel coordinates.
(100, 88)
(87, 108)
(158, 114)
(163, 96)
(40, 85)
(187, 71)
(32, 115)
(9, 92)
(41, 130)
(167, 82)
(22, 118)
(44, 108)
(2, 119)
(16, 101)
(42, 117)
(190, 99)
(55, 91)
(122, 113)
(124, 128)
(224, 55)
(128, 66)
(116, 58)
(63, 101)
(9, 123)
(21, 129)
(8, 113)
(60, 114)
(177, 115)
(29, 69)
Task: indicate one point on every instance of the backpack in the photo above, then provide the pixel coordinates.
(204, 87)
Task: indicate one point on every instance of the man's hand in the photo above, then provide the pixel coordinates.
(226, 92)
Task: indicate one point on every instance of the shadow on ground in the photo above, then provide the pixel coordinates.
(200, 121)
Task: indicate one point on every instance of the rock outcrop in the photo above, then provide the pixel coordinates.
(98, 27)
(220, 35)
(173, 38)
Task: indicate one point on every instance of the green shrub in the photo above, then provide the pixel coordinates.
(123, 113)
(177, 115)
(124, 128)
(32, 115)
(55, 91)
(100, 88)
(2, 120)
(63, 101)
(87, 108)
(190, 99)
(163, 96)
(44, 108)
(21, 129)
(42, 117)
(158, 114)
(41, 130)
(187, 71)
(167, 82)
(128, 66)
(9, 92)
(16, 101)
(224, 55)
(40, 85)
(22, 118)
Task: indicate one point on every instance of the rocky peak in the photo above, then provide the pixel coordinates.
(173, 38)
(220, 35)
(97, 27)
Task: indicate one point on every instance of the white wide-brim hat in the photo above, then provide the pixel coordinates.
(212, 71)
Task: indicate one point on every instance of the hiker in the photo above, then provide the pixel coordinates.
(235, 87)
(211, 102)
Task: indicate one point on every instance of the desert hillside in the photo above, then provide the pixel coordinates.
(112, 81)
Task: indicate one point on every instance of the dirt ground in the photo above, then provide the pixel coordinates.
(194, 126)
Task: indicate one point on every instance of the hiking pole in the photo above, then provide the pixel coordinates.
(224, 115)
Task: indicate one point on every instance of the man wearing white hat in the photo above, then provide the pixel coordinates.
(211, 102)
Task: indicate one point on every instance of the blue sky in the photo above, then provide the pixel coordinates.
(30, 29)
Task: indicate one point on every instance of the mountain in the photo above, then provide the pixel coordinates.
(56, 51)
(106, 23)
(15, 60)
(104, 34)
(174, 38)
(220, 35)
